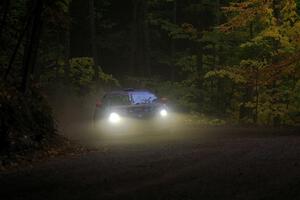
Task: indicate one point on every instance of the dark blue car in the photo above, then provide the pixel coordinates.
(118, 106)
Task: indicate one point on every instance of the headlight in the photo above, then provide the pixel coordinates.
(114, 118)
(163, 113)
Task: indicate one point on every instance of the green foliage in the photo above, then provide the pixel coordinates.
(246, 69)
(182, 95)
(83, 77)
(62, 4)
(202, 120)
(81, 72)
(223, 73)
(265, 74)
(187, 63)
(108, 80)
(26, 120)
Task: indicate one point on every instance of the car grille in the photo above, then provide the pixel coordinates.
(140, 111)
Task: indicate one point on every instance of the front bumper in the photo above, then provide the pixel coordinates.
(129, 124)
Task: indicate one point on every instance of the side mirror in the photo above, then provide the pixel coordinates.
(98, 104)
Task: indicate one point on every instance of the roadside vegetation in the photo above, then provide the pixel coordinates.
(223, 61)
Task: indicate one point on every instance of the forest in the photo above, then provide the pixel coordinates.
(238, 60)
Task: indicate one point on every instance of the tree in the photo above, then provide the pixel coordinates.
(268, 58)
(93, 40)
(32, 42)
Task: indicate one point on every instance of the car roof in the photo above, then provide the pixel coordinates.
(128, 91)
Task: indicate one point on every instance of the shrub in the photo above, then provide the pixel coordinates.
(77, 74)
(26, 120)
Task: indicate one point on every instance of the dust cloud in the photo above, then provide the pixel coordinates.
(74, 115)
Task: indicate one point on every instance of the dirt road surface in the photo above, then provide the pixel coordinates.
(189, 163)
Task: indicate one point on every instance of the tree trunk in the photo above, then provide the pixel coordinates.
(218, 12)
(67, 55)
(255, 119)
(31, 44)
(133, 46)
(276, 10)
(140, 60)
(4, 15)
(93, 39)
(16, 49)
(146, 39)
(173, 43)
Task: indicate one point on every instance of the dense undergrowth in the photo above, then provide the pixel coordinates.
(188, 98)
(26, 120)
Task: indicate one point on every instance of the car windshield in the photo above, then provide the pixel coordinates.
(143, 97)
(117, 100)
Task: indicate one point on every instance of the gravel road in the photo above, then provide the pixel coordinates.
(193, 163)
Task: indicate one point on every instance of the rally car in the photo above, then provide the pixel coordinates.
(117, 107)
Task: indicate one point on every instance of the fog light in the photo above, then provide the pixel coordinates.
(114, 118)
(163, 113)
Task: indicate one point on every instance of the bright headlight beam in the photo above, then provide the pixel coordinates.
(114, 118)
(163, 113)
